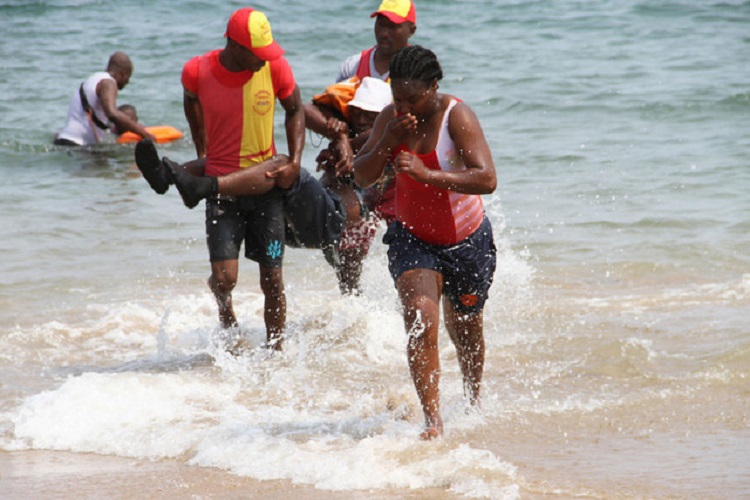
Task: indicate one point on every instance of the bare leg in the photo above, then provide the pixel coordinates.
(350, 272)
(222, 281)
(253, 180)
(420, 291)
(193, 186)
(274, 313)
(467, 333)
(351, 258)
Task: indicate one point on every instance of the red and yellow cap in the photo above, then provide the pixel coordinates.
(398, 11)
(251, 29)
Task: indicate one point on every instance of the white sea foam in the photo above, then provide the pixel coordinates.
(336, 410)
(330, 441)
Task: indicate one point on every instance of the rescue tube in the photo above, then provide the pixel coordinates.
(163, 133)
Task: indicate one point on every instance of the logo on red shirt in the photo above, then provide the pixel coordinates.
(263, 102)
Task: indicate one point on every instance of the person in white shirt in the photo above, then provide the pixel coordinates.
(93, 111)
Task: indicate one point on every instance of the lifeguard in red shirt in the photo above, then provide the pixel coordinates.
(230, 99)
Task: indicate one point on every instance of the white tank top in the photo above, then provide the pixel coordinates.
(79, 128)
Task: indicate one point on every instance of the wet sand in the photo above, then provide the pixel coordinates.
(63, 475)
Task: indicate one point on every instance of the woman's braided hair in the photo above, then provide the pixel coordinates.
(415, 62)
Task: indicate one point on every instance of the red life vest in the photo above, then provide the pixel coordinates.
(363, 69)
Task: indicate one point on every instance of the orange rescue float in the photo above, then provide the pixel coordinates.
(163, 133)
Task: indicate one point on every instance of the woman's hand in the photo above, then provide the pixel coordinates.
(400, 127)
(411, 165)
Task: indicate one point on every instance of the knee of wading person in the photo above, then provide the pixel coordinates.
(420, 309)
(271, 282)
(222, 281)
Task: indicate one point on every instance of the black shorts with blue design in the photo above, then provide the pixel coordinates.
(258, 221)
(468, 267)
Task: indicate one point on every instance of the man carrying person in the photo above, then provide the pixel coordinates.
(319, 226)
(229, 101)
(316, 211)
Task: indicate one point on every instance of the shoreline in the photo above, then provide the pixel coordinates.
(37, 474)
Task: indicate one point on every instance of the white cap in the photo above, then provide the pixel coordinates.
(373, 94)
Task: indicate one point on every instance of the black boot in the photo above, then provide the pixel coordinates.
(147, 159)
(192, 188)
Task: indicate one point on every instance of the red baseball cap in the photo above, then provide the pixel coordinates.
(251, 29)
(398, 11)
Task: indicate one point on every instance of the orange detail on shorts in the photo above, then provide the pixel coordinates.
(469, 300)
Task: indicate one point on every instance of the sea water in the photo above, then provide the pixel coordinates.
(618, 338)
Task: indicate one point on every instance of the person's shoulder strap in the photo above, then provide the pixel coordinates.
(89, 110)
(363, 69)
(447, 114)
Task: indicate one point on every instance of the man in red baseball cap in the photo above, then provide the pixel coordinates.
(395, 23)
(251, 29)
(398, 11)
(229, 100)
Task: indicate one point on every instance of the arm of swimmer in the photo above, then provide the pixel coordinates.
(315, 120)
(106, 91)
(478, 178)
(347, 148)
(373, 157)
(345, 161)
(321, 121)
(194, 115)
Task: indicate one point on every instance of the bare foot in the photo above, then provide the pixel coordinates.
(429, 434)
(238, 346)
(275, 342)
(227, 318)
(433, 428)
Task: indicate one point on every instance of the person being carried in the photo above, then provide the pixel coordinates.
(229, 101)
(93, 111)
(441, 243)
(355, 115)
(395, 24)
(325, 213)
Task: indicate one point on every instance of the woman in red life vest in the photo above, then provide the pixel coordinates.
(441, 246)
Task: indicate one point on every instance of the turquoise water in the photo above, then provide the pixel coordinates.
(617, 331)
